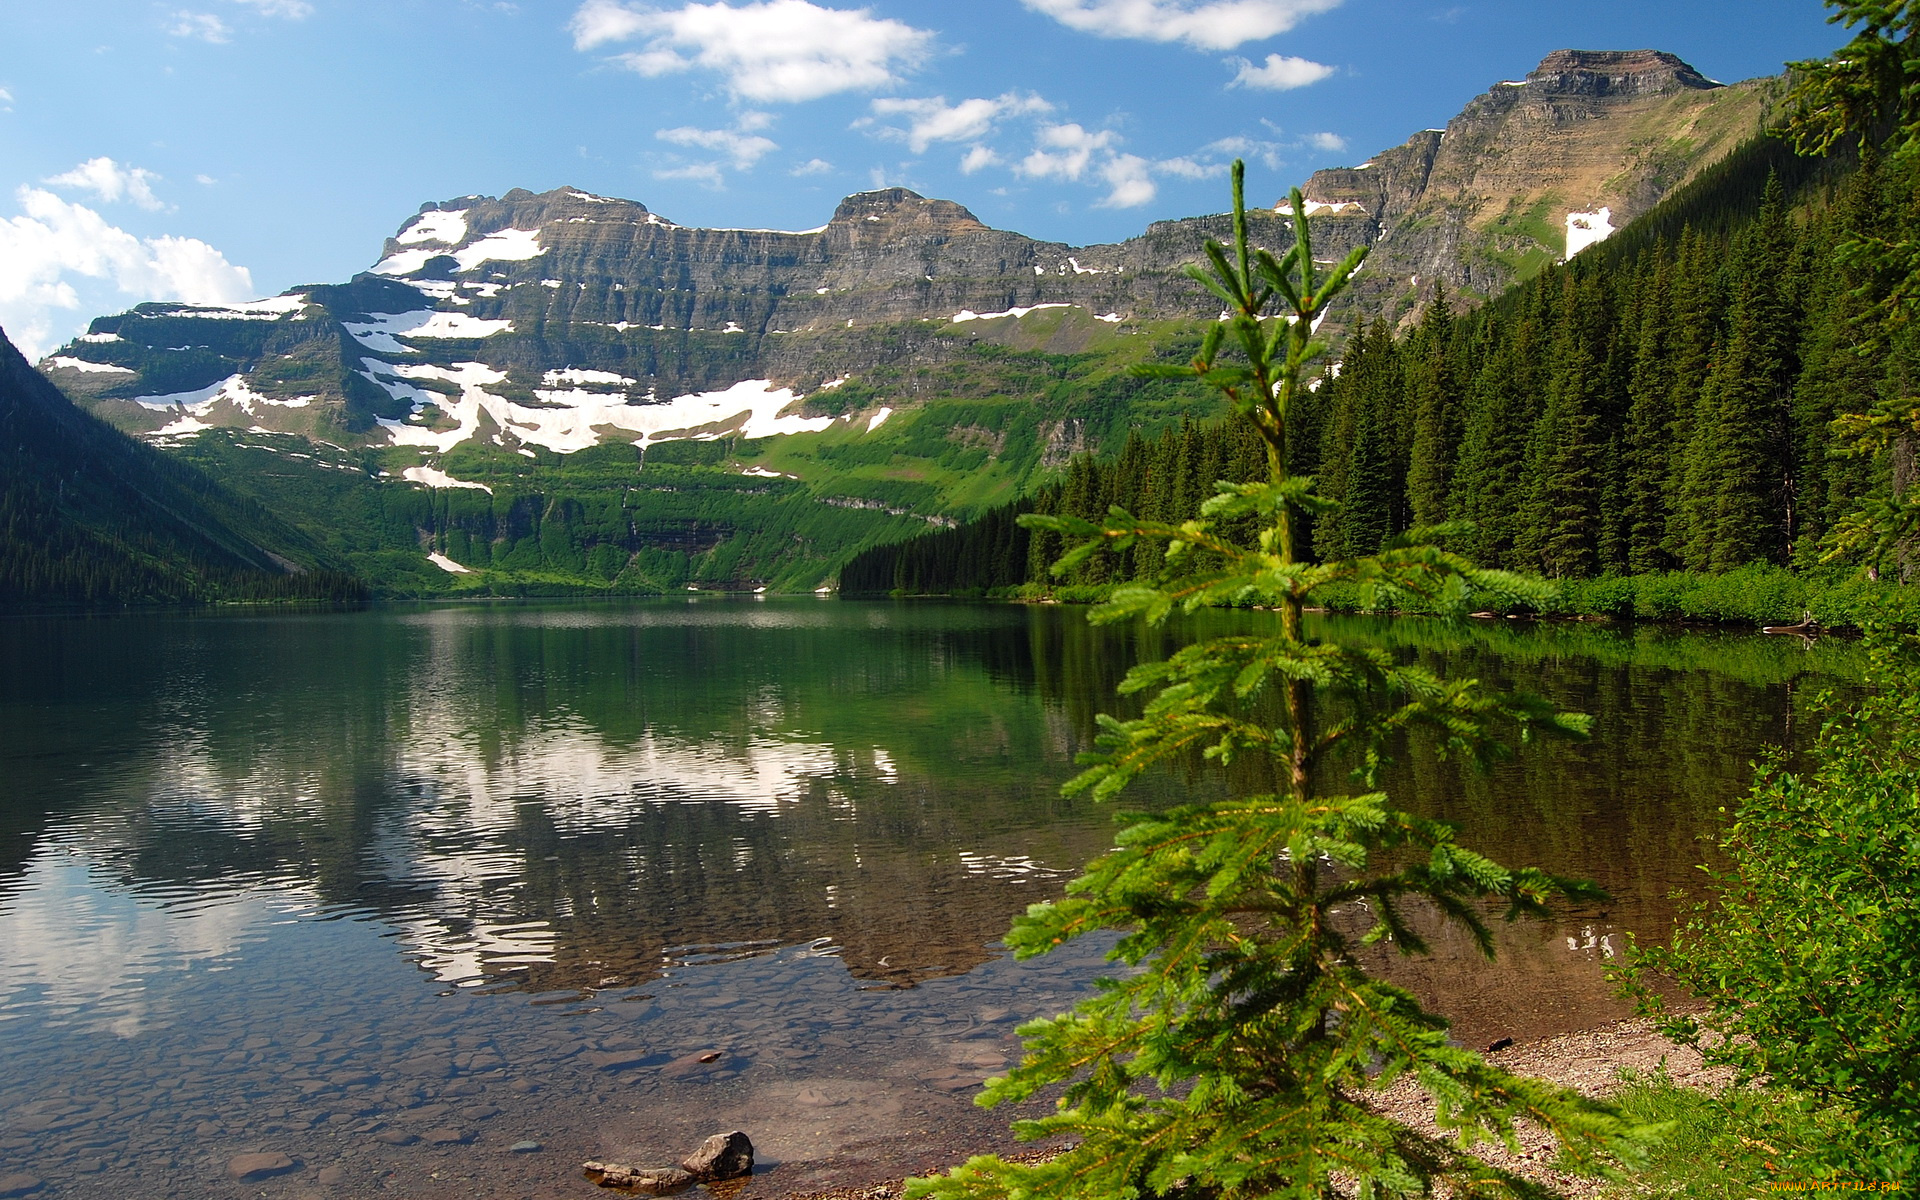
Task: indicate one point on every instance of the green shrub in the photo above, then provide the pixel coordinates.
(1808, 955)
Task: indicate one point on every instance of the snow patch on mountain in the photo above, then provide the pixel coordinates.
(435, 478)
(447, 228)
(508, 245)
(380, 333)
(270, 309)
(1588, 228)
(193, 406)
(967, 314)
(91, 368)
(581, 376)
(576, 418)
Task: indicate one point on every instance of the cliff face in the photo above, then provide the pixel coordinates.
(1532, 170)
(484, 316)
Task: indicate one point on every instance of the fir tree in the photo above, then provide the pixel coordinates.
(1238, 1058)
(1436, 415)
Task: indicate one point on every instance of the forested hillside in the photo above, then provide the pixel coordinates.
(1665, 401)
(88, 516)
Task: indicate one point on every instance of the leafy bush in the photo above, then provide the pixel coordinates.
(1808, 956)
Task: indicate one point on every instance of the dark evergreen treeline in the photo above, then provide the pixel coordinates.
(1666, 403)
(90, 517)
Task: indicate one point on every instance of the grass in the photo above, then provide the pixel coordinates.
(1740, 1142)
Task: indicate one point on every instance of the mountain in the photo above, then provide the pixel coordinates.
(1532, 171)
(89, 516)
(903, 364)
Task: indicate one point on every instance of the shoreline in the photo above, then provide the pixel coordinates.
(1589, 1060)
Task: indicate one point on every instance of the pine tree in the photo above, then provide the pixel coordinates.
(1494, 453)
(1734, 498)
(1562, 512)
(1238, 1057)
(1436, 414)
(1648, 437)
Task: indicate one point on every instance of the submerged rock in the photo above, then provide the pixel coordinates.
(639, 1179)
(249, 1167)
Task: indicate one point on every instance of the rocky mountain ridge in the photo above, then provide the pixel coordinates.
(1532, 171)
(487, 396)
(485, 312)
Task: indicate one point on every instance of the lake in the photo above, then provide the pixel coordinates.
(394, 892)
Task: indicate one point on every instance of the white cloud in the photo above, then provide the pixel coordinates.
(741, 145)
(1266, 153)
(978, 158)
(1064, 152)
(110, 181)
(53, 241)
(1187, 167)
(1332, 143)
(742, 149)
(1073, 153)
(6, 100)
(292, 10)
(205, 26)
(205, 180)
(813, 166)
(1205, 24)
(1281, 73)
(707, 174)
(933, 120)
(771, 50)
(1129, 177)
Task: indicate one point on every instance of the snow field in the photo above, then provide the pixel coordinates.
(1588, 228)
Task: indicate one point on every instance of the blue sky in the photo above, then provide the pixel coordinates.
(222, 149)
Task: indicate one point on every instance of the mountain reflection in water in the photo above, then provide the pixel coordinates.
(591, 805)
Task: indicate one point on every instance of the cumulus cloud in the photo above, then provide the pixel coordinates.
(111, 182)
(6, 100)
(813, 166)
(1063, 151)
(1073, 153)
(932, 119)
(1204, 24)
(1331, 143)
(204, 26)
(742, 149)
(1130, 179)
(742, 145)
(1280, 73)
(978, 158)
(53, 241)
(772, 50)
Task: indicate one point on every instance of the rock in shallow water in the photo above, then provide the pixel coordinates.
(640, 1179)
(722, 1156)
(19, 1183)
(249, 1167)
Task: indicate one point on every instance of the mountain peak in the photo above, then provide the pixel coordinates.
(897, 205)
(1616, 73)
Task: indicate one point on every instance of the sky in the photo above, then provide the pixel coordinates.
(220, 150)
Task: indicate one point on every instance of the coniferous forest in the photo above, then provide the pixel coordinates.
(90, 517)
(1667, 401)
